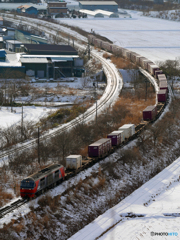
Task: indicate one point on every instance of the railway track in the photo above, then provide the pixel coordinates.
(114, 84)
(8, 209)
(86, 164)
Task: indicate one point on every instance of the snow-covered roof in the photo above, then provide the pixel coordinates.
(106, 13)
(33, 60)
(91, 13)
(99, 13)
(13, 41)
(61, 59)
(11, 6)
(49, 56)
(24, 6)
(98, 3)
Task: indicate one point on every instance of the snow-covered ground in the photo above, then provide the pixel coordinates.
(30, 113)
(173, 15)
(155, 39)
(152, 209)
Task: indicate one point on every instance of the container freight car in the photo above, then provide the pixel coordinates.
(91, 39)
(135, 57)
(162, 95)
(158, 72)
(163, 85)
(116, 137)
(126, 53)
(152, 68)
(129, 130)
(141, 61)
(150, 113)
(163, 81)
(147, 63)
(100, 148)
(161, 76)
(98, 43)
(73, 161)
(38, 182)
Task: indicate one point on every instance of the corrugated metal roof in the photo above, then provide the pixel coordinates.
(91, 13)
(61, 59)
(49, 47)
(98, 3)
(107, 13)
(34, 60)
(49, 56)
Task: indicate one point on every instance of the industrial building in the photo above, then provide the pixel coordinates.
(95, 5)
(99, 13)
(27, 9)
(57, 8)
(13, 45)
(13, 6)
(49, 61)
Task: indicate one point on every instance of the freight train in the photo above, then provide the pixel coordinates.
(54, 174)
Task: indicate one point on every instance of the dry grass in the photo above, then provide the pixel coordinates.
(49, 201)
(5, 197)
(106, 55)
(135, 106)
(121, 63)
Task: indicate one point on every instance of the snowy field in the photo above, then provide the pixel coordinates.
(152, 209)
(155, 39)
(30, 113)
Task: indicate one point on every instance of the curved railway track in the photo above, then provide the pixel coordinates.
(114, 86)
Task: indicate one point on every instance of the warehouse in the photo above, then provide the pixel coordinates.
(13, 45)
(92, 13)
(99, 13)
(49, 61)
(27, 9)
(103, 5)
(49, 49)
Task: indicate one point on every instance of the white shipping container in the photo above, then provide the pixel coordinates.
(129, 130)
(73, 161)
(122, 135)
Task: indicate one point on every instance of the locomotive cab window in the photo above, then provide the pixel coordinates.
(27, 184)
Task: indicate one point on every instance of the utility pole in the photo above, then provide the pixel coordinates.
(88, 51)
(11, 98)
(38, 148)
(146, 81)
(94, 84)
(22, 122)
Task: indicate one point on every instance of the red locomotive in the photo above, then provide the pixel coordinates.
(36, 183)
